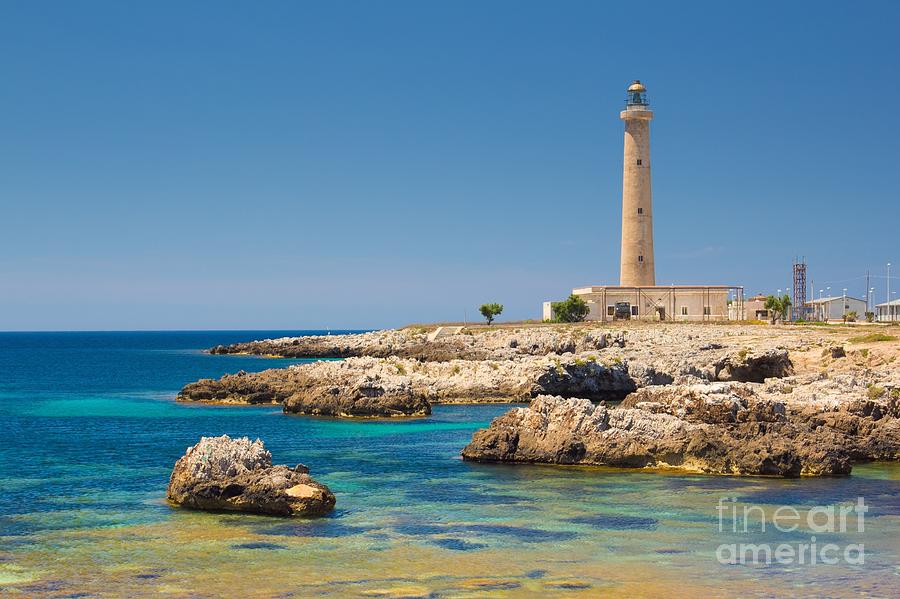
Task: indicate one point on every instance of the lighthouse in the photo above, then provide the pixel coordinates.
(637, 267)
(637, 296)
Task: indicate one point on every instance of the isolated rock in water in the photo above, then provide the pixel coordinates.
(574, 431)
(220, 473)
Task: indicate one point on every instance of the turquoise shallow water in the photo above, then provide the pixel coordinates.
(91, 432)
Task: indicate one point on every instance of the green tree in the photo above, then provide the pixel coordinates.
(574, 309)
(778, 307)
(489, 311)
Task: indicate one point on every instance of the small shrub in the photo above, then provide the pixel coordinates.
(400, 368)
(455, 369)
(574, 309)
(787, 389)
(864, 352)
(872, 338)
(875, 392)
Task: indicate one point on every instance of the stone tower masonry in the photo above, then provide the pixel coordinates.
(637, 266)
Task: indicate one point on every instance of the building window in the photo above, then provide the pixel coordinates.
(610, 310)
(639, 162)
(706, 311)
(640, 210)
(684, 311)
(634, 310)
(640, 258)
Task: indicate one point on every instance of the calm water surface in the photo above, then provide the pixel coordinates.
(91, 431)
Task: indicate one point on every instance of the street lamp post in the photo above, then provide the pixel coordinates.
(888, 300)
(821, 307)
(891, 306)
(844, 304)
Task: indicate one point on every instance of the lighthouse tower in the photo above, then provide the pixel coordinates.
(637, 296)
(637, 266)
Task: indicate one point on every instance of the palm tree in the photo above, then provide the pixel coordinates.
(778, 307)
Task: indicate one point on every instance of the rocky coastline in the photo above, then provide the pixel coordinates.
(724, 399)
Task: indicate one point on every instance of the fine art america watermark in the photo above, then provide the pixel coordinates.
(743, 519)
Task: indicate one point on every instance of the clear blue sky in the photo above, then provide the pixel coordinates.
(365, 164)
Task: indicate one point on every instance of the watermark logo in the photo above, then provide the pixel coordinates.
(744, 519)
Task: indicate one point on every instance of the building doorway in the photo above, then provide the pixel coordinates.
(623, 311)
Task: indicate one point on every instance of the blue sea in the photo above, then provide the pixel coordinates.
(91, 430)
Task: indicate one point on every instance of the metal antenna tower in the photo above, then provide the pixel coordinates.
(798, 307)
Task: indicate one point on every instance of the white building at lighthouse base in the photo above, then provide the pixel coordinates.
(674, 303)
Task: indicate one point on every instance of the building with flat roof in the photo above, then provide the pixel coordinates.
(888, 311)
(754, 309)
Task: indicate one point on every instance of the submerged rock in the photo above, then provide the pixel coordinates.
(220, 473)
(575, 431)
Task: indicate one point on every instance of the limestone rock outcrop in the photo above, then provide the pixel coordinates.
(864, 409)
(321, 388)
(376, 387)
(753, 366)
(725, 438)
(220, 473)
(413, 344)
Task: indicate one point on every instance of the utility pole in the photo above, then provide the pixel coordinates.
(867, 290)
(889, 306)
